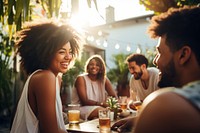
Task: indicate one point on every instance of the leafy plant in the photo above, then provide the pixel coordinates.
(112, 103)
(6, 73)
(120, 74)
(70, 76)
(159, 6)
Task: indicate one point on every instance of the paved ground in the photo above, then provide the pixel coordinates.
(4, 125)
(4, 128)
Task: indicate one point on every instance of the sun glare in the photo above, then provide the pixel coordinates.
(91, 17)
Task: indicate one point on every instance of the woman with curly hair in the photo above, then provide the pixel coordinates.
(46, 49)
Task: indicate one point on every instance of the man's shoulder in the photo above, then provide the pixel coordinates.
(153, 73)
(167, 98)
(170, 108)
(164, 92)
(153, 69)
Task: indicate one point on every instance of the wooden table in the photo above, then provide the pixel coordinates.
(91, 126)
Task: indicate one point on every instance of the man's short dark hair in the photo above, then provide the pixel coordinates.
(181, 27)
(138, 58)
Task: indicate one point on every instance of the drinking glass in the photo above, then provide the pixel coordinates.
(104, 120)
(137, 105)
(123, 102)
(73, 113)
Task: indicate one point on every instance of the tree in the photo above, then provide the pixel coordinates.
(159, 6)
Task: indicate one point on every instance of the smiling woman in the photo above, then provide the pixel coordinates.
(43, 57)
(91, 88)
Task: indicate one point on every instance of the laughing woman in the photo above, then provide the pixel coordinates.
(92, 88)
(46, 49)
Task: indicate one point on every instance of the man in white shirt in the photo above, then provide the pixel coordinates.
(144, 79)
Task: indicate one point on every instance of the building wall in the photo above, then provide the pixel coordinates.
(133, 35)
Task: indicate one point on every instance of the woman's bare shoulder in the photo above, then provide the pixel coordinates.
(43, 75)
(42, 79)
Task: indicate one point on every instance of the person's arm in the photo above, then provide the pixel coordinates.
(43, 87)
(109, 88)
(81, 90)
(123, 124)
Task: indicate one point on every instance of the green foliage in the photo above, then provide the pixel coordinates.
(6, 72)
(119, 74)
(70, 76)
(181, 3)
(159, 6)
(150, 54)
(112, 103)
(51, 7)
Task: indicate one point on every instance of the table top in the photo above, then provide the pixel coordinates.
(91, 126)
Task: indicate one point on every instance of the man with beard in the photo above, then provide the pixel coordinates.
(173, 109)
(144, 79)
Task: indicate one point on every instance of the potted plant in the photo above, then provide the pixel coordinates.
(113, 105)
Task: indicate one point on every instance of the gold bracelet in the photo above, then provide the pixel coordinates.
(101, 103)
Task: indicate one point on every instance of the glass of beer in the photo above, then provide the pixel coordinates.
(123, 102)
(104, 120)
(73, 113)
(137, 105)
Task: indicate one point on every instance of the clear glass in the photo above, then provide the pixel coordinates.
(104, 120)
(123, 102)
(73, 113)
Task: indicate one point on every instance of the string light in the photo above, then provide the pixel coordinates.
(100, 33)
(117, 46)
(138, 50)
(98, 42)
(128, 48)
(90, 38)
(105, 43)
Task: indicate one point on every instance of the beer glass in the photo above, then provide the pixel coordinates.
(137, 105)
(73, 113)
(123, 102)
(104, 120)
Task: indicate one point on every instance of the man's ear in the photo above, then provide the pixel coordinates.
(143, 66)
(184, 54)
